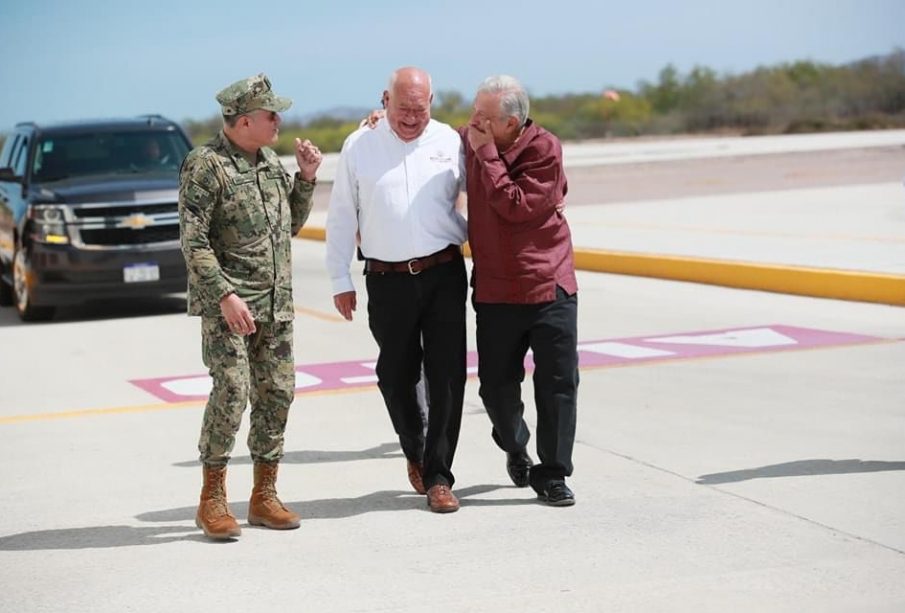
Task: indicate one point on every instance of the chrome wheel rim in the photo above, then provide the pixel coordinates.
(20, 281)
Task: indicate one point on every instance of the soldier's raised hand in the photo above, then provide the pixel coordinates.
(308, 158)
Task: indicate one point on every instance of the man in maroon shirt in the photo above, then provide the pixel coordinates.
(525, 291)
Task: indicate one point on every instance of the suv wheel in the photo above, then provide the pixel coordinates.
(6, 292)
(27, 311)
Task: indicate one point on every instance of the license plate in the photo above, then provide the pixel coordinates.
(140, 273)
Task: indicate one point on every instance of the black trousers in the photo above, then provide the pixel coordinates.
(550, 329)
(419, 319)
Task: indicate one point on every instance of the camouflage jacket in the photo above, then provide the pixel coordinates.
(236, 223)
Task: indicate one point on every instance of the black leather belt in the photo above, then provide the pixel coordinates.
(415, 265)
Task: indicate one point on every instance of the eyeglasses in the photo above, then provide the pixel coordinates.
(271, 116)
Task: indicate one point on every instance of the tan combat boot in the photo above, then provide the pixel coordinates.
(264, 508)
(213, 513)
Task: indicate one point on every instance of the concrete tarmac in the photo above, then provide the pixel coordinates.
(736, 449)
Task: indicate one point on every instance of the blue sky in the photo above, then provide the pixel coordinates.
(87, 58)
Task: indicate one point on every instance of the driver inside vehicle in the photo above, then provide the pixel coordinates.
(152, 155)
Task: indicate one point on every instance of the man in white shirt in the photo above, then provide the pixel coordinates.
(396, 186)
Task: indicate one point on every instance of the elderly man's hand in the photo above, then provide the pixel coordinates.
(308, 158)
(373, 119)
(479, 134)
(345, 303)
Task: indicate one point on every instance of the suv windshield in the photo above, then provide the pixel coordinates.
(142, 152)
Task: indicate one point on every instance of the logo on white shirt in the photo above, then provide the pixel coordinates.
(441, 157)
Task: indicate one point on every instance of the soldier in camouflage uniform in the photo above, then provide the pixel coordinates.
(238, 211)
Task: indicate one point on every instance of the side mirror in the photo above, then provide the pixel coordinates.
(8, 174)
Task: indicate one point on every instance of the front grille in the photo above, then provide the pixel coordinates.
(128, 236)
(125, 210)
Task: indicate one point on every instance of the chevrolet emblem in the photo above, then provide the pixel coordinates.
(137, 221)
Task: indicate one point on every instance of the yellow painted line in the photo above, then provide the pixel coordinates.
(315, 234)
(318, 314)
(859, 286)
(160, 406)
(144, 408)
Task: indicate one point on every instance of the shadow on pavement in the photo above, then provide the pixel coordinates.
(114, 308)
(801, 468)
(97, 537)
(311, 456)
(100, 537)
(339, 508)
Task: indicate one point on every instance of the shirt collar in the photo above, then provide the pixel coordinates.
(235, 154)
(524, 139)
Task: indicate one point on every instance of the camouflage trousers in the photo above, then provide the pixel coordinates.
(257, 368)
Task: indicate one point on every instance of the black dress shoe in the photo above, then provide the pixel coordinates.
(557, 494)
(518, 465)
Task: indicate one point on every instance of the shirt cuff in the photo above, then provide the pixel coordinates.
(487, 153)
(299, 178)
(216, 289)
(343, 284)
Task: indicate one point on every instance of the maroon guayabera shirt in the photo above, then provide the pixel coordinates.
(521, 247)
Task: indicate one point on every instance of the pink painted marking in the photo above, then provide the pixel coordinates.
(609, 352)
(683, 346)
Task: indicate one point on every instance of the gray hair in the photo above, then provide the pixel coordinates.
(411, 73)
(513, 97)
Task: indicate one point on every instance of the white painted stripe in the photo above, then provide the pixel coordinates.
(355, 380)
(624, 350)
(758, 337)
(195, 386)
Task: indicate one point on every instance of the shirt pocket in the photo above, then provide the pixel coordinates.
(439, 176)
(245, 213)
(388, 193)
(275, 191)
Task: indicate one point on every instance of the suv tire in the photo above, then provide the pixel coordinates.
(27, 311)
(6, 292)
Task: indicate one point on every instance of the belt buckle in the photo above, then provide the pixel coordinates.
(412, 271)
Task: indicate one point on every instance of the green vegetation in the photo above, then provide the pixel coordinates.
(797, 97)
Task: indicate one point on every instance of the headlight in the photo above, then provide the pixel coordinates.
(49, 225)
(51, 214)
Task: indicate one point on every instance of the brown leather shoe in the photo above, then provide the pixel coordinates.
(414, 471)
(213, 515)
(440, 499)
(264, 508)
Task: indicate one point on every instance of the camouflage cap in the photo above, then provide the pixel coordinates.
(249, 95)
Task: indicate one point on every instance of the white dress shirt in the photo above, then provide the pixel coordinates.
(400, 196)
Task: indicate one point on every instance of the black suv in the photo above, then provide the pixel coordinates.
(89, 210)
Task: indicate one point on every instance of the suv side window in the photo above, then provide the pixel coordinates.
(20, 157)
(11, 141)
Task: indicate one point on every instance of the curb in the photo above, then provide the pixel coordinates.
(858, 286)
